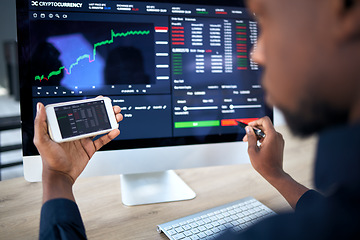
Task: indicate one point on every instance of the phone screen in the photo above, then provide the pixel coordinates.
(83, 118)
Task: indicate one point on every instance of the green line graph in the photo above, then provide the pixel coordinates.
(87, 56)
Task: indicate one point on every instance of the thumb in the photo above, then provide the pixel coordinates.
(252, 140)
(40, 125)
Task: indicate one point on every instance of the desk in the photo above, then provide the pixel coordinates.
(105, 217)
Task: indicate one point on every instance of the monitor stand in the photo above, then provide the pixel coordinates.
(157, 187)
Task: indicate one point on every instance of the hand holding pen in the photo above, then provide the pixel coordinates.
(266, 158)
(258, 132)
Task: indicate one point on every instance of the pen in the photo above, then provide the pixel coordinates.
(258, 132)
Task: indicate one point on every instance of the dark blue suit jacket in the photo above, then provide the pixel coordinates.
(60, 219)
(333, 215)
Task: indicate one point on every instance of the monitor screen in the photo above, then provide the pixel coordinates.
(182, 73)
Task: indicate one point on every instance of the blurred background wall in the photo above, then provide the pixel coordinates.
(10, 134)
(7, 37)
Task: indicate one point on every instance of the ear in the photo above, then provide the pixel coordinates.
(348, 16)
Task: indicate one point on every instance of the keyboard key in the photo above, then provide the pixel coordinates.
(168, 228)
(222, 221)
(186, 227)
(179, 229)
(213, 218)
(200, 222)
(235, 223)
(257, 209)
(195, 231)
(215, 223)
(179, 236)
(216, 230)
(207, 220)
(241, 221)
(193, 225)
(209, 226)
(228, 225)
(201, 235)
(237, 210)
(237, 229)
(202, 228)
(222, 227)
(188, 233)
(226, 214)
(220, 216)
(172, 232)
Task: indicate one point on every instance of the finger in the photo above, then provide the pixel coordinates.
(119, 117)
(245, 138)
(40, 125)
(116, 109)
(252, 141)
(114, 133)
(264, 124)
(100, 142)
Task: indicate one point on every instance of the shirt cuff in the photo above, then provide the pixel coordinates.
(59, 218)
(309, 197)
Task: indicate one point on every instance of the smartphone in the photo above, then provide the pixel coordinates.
(69, 121)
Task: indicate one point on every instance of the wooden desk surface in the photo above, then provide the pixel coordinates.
(105, 217)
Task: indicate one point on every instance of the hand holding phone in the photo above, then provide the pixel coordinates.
(64, 162)
(69, 121)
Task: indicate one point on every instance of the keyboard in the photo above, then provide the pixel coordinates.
(210, 223)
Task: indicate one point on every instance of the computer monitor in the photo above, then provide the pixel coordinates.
(180, 70)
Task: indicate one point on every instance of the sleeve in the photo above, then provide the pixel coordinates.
(316, 217)
(61, 219)
(309, 197)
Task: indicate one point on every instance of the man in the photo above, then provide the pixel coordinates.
(310, 50)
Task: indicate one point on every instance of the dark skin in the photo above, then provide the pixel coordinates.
(268, 160)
